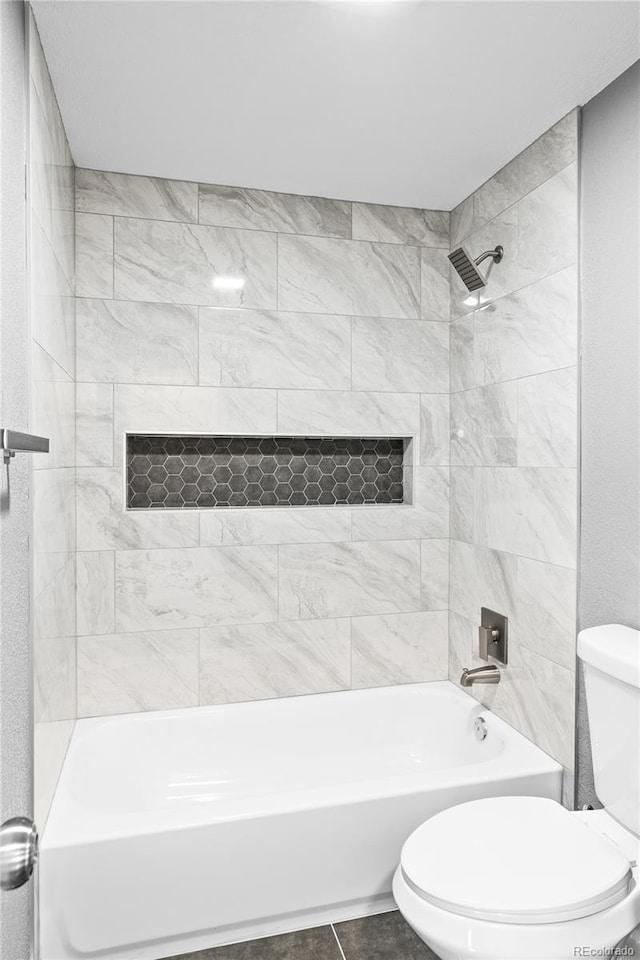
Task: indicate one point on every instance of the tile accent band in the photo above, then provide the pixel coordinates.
(200, 472)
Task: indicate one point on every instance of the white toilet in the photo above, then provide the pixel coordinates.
(521, 878)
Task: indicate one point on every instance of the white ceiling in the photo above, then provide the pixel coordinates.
(411, 103)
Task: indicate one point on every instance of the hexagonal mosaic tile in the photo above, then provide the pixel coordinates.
(170, 472)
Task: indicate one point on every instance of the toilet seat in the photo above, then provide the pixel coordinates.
(514, 860)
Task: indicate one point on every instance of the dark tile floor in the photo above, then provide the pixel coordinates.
(384, 937)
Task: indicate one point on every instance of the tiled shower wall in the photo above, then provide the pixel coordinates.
(514, 437)
(341, 329)
(51, 268)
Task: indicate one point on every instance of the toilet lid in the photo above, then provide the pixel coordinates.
(514, 860)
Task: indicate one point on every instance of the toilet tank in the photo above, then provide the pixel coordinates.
(611, 658)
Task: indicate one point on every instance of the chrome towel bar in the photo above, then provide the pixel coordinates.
(15, 442)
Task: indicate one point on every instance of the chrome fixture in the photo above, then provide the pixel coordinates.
(493, 635)
(18, 852)
(480, 728)
(489, 674)
(467, 268)
(629, 946)
(13, 442)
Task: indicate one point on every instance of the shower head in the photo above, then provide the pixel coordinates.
(467, 269)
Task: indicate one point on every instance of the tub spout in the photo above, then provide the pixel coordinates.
(489, 674)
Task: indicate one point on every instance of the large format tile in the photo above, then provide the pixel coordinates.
(53, 416)
(482, 578)
(179, 263)
(461, 222)
(338, 414)
(281, 212)
(124, 195)
(546, 610)
(400, 355)
(539, 235)
(461, 503)
(374, 221)
(352, 277)
(94, 255)
(318, 943)
(434, 574)
(434, 285)
(94, 424)
(259, 348)
(531, 331)
(484, 426)
(127, 673)
(127, 342)
(54, 678)
(527, 511)
(95, 592)
(434, 429)
(51, 740)
(277, 525)
(105, 524)
(209, 586)
(274, 660)
(427, 516)
(384, 937)
(548, 155)
(548, 419)
(139, 408)
(399, 648)
(348, 579)
(52, 305)
(462, 349)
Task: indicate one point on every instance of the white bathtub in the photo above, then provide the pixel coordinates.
(186, 829)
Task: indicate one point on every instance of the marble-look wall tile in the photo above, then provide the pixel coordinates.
(280, 212)
(546, 610)
(548, 419)
(434, 575)
(274, 660)
(548, 155)
(124, 195)
(482, 578)
(53, 510)
(53, 608)
(105, 524)
(258, 348)
(461, 503)
(94, 424)
(373, 221)
(399, 648)
(94, 255)
(95, 579)
(348, 414)
(128, 673)
(539, 235)
(209, 586)
(53, 416)
(51, 302)
(179, 263)
(434, 429)
(158, 409)
(346, 277)
(527, 511)
(127, 342)
(279, 525)
(348, 579)
(51, 741)
(434, 285)
(462, 345)
(484, 426)
(400, 355)
(54, 678)
(533, 330)
(461, 222)
(427, 516)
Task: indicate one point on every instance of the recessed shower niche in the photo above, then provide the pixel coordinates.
(200, 472)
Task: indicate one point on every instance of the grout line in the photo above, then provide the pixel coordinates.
(335, 933)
